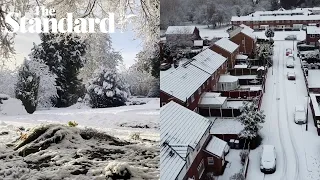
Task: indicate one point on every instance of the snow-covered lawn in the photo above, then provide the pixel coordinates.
(297, 149)
(234, 165)
(82, 152)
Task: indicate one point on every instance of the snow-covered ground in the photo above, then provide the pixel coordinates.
(280, 35)
(63, 152)
(298, 154)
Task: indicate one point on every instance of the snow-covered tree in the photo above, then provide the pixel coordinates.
(47, 92)
(139, 81)
(63, 53)
(99, 54)
(8, 80)
(269, 33)
(155, 88)
(251, 117)
(106, 89)
(27, 88)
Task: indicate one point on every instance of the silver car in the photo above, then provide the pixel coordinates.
(268, 159)
(300, 115)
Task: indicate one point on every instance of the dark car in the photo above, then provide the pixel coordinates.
(165, 66)
(291, 37)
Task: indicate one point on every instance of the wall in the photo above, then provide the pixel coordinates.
(229, 112)
(247, 47)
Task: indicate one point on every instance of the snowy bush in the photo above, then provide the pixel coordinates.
(155, 89)
(47, 87)
(269, 33)
(251, 117)
(237, 176)
(107, 90)
(118, 170)
(27, 88)
(72, 124)
(243, 156)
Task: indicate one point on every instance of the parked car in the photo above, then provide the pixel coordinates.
(291, 76)
(300, 115)
(290, 64)
(291, 37)
(268, 159)
(288, 51)
(165, 66)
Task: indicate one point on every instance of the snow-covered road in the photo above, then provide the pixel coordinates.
(298, 155)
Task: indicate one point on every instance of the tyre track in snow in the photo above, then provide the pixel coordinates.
(281, 133)
(293, 142)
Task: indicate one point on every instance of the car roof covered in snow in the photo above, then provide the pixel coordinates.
(180, 125)
(180, 29)
(227, 45)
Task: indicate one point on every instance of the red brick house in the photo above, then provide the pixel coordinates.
(313, 35)
(187, 148)
(188, 82)
(244, 37)
(228, 49)
(280, 19)
(182, 35)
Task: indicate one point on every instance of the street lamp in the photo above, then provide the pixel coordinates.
(307, 113)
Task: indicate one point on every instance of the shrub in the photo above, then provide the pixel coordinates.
(237, 176)
(243, 156)
(72, 124)
(135, 136)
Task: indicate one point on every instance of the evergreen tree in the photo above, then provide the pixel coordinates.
(251, 117)
(155, 89)
(275, 5)
(106, 89)
(63, 53)
(27, 87)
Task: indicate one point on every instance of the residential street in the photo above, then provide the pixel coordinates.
(297, 149)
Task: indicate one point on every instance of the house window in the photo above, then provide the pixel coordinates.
(199, 90)
(200, 169)
(192, 98)
(210, 161)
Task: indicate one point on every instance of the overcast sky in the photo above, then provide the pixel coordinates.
(123, 42)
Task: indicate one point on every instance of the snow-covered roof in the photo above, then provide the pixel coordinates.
(247, 28)
(180, 29)
(225, 126)
(251, 87)
(247, 77)
(248, 32)
(182, 82)
(208, 61)
(313, 30)
(227, 45)
(241, 56)
(171, 163)
(185, 80)
(241, 66)
(207, 99)
(198, 43)
(313, 78)
(313, 99)
(227, 78)
(235, 104)
(216, 146)
(179, 125)
(274, 18)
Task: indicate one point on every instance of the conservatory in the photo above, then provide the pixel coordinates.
(228, 83)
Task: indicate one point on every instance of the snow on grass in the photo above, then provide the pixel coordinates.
(119, 121)
(234, 165)
(61, 152)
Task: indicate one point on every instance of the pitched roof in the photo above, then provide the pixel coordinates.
(186, 79)
(171, 163)
(227, 45)
(180, 29)
(216, 146)
(313, 30)
(247, 28)
(248, 32)
(228, 78)
(179, 125)
(274, 18)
